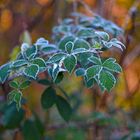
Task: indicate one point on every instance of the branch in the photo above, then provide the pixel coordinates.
(131, 56)
(78, 125)
(130, 17)
(86, 7)
(40, 16)
(15, 75)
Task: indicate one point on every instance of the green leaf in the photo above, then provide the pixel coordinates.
(30, 53)
(11, 117)
(114, 42)
(64, 108)
(86, 33)
(56, 57)
(103, 35)
(24, 47)
(83, 59)
(70, 62)
(97, 45)
(59, 78)
(41, 63)
(14, 84)
(80, 51)
(15, 96)
(50, 71)
(11, 96)
(81, 43)
(42, 42)
(44, 82)
(48, 98)
(39, 124)
(19, 63)
(111, 65)
(92, 71)
(24, 84)
(17, 99)
(30, 131)
(4, 72)
(64, 40)
(55, 72)
(107, 80)
(49, 49)
(67, 21)
(95, 60)
(102, 88)
(69, 47)
(89, 83)
(80, 72)
(31, 71)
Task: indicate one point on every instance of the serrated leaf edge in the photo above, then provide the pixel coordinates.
(95, 74)
(113, 60)
(114, 81)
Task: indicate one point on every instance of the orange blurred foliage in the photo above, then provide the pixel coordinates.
(6, 20)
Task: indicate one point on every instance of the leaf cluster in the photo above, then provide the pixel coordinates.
(77, 48)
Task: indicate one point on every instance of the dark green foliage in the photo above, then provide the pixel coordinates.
(80, 72)
(12, 118)
(70, 63)
(30, 131)
(44, 82)
(81, 43)
(107, 80)
(32, 71)
(41, 63)
(48, 98)
(56, 57)
(89, 83)
(24, 84)
(4, 72)
(15, 95)
(64, 41)
(59, 78)
(64, 108)
(14, 84)
(19, 63)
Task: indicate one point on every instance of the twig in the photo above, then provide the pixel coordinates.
(86, 7)
(131, 56)
(78, 125)
(75, 6)
(40, 16)
(130, 17)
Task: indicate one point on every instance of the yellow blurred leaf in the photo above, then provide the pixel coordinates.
(25, 37)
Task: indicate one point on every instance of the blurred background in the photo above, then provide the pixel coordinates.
(97, 116)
